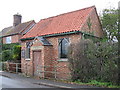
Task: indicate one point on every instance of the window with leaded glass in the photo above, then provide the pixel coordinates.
(63, 47)
(27, 54)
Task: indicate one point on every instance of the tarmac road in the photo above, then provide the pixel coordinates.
(12, 80)
(13, 83)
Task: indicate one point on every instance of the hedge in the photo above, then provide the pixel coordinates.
(10, 52)
(94, 61)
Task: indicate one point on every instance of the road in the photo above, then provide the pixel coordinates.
(6, 82)
(13, 81)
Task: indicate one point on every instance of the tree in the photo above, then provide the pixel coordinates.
(109, 21)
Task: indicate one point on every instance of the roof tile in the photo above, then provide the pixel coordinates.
(67, 22)
(14, 30)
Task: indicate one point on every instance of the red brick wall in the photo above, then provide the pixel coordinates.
(26, 65)
(14, 38)
(63, 69)
(95, 24)
(4, 40)
(48, 59)
(54, 40)
(50, 56)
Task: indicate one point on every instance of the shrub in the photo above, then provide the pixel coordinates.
(17, 52)
(6, 55)
(81, 66)
(0, 57)
(93, 61)
(11, 52)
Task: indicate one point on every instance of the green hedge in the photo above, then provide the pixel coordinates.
(6, 55)
(8, 46)
(17, 52)
(10, 52)
(94, 61)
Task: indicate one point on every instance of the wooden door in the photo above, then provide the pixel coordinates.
(37, 63)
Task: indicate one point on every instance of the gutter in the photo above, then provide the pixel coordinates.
(27, 38)
(9, 35)
(61, 34)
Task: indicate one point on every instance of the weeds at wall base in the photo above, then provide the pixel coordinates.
(99, 84)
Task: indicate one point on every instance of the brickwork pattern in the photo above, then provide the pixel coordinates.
(50, 55)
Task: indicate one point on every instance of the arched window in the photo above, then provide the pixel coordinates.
(27, 56)
(63, 47)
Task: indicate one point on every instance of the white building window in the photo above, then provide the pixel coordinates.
(8, 39)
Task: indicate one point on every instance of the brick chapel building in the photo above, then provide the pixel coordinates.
(44, 47)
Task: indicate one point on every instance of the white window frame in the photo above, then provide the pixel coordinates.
(8, 40)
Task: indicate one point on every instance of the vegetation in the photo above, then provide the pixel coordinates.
(97, 83)
(10, 52)
(8, 46)
(6, 55)
(97, 62)
(17, 52)
(89, 61)
(109, 21)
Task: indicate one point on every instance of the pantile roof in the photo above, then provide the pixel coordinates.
(67, 22)
(15, 30)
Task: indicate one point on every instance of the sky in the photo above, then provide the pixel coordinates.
(40, 9)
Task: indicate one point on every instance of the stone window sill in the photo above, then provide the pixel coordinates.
(63, 60)
(27, 59)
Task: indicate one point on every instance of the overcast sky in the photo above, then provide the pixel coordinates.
(39, 9)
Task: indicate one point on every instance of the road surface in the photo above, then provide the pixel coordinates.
(6, 82)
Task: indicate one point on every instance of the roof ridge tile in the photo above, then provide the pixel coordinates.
(62, 23)
(69, 12)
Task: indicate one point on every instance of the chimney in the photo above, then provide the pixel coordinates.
(16, 19)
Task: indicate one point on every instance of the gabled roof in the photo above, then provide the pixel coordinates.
(67, 22)
(15, 30)
(44, 41)
(3, 32)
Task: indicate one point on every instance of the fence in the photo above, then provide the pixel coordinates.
(0, 66)
(11, 67)
(51, 72)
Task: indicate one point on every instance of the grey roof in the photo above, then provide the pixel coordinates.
(44, 41)
(5, 30)
(17, 29)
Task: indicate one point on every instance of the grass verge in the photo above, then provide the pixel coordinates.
(99, 84)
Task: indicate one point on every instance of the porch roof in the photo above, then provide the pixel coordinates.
(44, 41)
